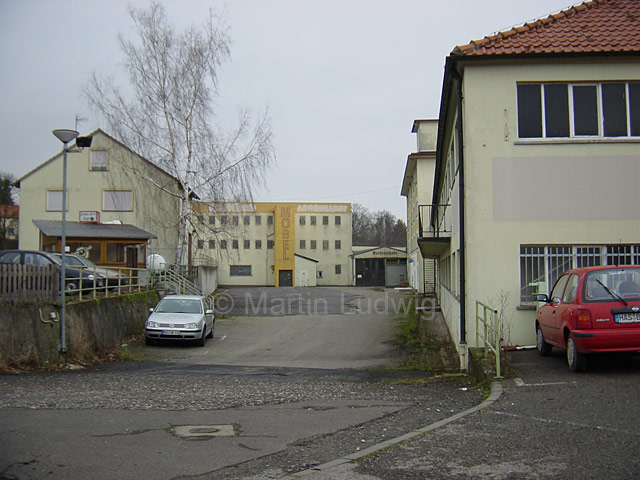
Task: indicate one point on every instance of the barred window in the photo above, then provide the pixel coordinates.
(541, 266)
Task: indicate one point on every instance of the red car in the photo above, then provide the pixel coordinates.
(591, 310)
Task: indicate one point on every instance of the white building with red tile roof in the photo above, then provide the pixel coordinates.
(537, 164)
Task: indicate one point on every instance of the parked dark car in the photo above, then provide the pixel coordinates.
(113, 277)
(591, 310)
(75, 278)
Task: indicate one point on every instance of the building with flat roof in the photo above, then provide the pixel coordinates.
(273, 243)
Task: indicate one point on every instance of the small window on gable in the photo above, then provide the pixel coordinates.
(98, 160)
(54, 201)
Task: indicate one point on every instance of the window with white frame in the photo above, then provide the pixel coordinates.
(541, 266)
(98, 160)
(578, 110)
(117, 200)
(54, 201)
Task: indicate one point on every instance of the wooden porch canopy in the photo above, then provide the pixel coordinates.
(107, 244)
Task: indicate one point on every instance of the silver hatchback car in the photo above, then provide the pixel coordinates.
(179, 317)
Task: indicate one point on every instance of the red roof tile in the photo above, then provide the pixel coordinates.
(9, 211)
(595, 26)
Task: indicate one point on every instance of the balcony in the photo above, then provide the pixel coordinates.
(434, 235)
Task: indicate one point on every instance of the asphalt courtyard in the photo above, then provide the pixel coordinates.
(543, 422)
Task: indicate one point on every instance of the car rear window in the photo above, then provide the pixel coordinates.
(612, 285)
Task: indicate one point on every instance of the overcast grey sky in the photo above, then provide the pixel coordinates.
(343, 79)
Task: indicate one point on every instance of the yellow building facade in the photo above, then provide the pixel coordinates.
(274, 243)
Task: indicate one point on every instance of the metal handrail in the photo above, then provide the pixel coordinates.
(128, 280)
(490, 333)
(434, 217)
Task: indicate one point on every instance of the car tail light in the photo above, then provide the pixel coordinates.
(583, 319)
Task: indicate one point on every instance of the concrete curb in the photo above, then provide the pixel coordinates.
(496, 392)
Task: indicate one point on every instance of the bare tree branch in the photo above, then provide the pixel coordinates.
(168, 117)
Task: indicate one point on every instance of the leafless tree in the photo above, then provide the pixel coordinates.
(380, 228)
(169, 115)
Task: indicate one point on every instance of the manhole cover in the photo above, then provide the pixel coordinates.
(191, 431)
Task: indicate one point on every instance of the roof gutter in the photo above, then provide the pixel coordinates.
(452, 89)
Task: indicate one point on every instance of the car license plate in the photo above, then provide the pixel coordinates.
(169, 332)
(627, 317)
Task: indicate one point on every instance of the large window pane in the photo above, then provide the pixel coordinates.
(634, 108)
(588, 257)
(115, 252)
(117, 200)
(559, 259)
(240, 270)
(585, 110)
(533, 273)
(619, 255)
(556, 110)
(529, 111)
(614, 109)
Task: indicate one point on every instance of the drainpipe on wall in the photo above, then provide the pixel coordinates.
(461, 200)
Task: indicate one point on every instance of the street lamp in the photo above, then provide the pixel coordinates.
(65, 136)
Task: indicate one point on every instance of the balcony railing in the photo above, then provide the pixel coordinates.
(434, 221)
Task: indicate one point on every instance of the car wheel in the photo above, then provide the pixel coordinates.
(544, 349)
(203, 338)
(70, 287)
(577, 361)
(149, 341)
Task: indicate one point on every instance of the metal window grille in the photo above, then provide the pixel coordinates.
(541, 266)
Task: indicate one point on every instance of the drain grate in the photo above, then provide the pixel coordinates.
(203, 431)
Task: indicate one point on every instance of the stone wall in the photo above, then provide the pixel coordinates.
(28, 336)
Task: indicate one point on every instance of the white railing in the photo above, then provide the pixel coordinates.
(488, 330)
(31, 283)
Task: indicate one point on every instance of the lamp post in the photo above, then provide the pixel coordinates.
(65, 136)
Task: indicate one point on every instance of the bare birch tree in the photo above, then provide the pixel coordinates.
(169, 115)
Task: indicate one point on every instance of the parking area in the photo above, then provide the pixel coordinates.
(549, 423)
(283, 301)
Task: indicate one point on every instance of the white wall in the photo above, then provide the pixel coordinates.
(523, 192)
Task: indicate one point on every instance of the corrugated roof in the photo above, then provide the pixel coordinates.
(596, 26)
(53, 228)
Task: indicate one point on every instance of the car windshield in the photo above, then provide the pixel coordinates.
(622, 284)
(69, 260)
(179, 305)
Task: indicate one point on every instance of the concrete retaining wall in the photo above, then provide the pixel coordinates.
(28, 337)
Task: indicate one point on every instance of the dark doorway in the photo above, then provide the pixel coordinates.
(285, 278)
(370, 272)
